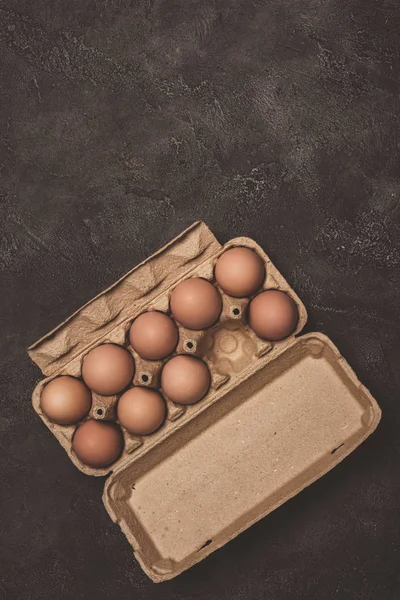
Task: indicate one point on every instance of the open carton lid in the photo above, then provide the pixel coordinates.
(287, 424)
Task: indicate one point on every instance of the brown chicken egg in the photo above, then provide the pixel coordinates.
(153, 335)
(141, 410)
(108, 369)
(98, 443)
(185, 379)
(239, 272)
(273, 315)
(65, 400)
(196, 303)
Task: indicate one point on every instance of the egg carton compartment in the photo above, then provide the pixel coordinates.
(228, 348)
(237, 360)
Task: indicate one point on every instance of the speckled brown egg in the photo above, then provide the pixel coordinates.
(196, 303)
(273, 315)
(239, 272)
(108, 369)
(154, 335)
(141, 410)
(98, 443)
(65, 400)
(185, 379)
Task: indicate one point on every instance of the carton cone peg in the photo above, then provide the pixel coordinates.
(145, 378)
(236, 311)
(132, 443)
(218, 380)
(174, 410)
(263, 347)
(103, 408)
(190, 346)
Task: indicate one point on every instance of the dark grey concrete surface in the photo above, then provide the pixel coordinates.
(122, 122)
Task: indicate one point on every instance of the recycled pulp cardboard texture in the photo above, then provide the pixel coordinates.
(285, 425)
(277, 416)
(140, 285)
(106, 318)
(230, 348)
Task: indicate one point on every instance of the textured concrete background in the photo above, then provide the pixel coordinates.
(122, 122)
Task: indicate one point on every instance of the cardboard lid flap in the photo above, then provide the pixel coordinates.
(124, 298)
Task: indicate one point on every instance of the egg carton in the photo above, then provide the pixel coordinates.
(229, 348)
(277, 416)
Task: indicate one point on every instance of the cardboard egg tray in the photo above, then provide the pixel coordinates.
(277, 417)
